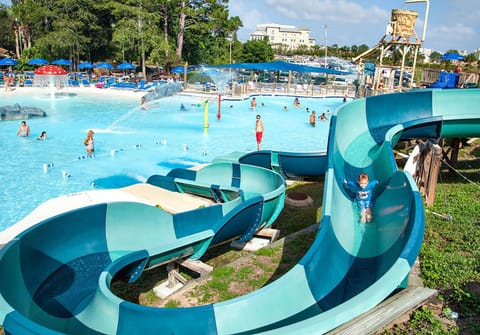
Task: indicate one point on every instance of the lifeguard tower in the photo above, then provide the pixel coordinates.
(399, 39)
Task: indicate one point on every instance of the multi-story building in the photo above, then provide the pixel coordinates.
(290, 36)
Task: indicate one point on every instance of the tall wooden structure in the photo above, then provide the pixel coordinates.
(400, 37)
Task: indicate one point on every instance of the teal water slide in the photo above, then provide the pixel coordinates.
(56, 275)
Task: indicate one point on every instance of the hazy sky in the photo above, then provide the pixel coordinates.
(451, 24)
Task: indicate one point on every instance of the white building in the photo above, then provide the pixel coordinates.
(278, 34)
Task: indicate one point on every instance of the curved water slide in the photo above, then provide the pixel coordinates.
(289, 164)
(60, 284)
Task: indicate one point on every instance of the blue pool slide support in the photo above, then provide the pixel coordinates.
(56, 275)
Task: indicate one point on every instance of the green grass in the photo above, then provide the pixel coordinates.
(450, 254)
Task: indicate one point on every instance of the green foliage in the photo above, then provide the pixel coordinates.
(422, 322)
(7, 40)
(172, 304)
(450, 255)
(121, 30)
(257, 51)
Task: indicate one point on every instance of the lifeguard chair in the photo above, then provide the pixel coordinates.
(399, 37)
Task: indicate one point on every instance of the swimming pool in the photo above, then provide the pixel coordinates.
(131, 144)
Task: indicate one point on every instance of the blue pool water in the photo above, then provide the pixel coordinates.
(131, 144)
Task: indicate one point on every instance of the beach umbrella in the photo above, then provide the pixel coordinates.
(126, 66)
(62, 62)
(104, 65)
(179, 70)
(85, 65)
(8, 62)
(452, 56)
(37, 61)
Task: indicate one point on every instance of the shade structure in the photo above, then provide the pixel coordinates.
(281, 66)
(51, 76)
(37, 61)
(85, 65)
(8, 62)
(50, 70)
(62, 62)
(452, 56)
(126, 66)
(104, 65)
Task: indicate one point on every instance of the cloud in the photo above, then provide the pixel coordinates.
(451, 24)
(341, 11)
(453, 35)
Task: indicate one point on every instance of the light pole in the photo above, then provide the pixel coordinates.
(325, 27)
(426, 15)
(230, 57)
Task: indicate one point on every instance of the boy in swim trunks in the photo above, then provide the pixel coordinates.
(259, 129)
(363, 191)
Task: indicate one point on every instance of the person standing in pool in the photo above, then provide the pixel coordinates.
(23, 130)
(313, 117)
(259, 130)
(143, 103)
(253, 104)
(89, 143)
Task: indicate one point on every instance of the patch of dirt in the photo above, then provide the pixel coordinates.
(261, 268)
(297, 196)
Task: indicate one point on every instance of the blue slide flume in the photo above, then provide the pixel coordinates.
(56, 275)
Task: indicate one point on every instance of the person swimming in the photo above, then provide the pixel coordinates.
(43, 136)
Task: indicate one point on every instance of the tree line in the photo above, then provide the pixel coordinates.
(157, 32)
(162, 33)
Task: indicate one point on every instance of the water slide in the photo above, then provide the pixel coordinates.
(446, 80)
(289, 164)
(56, 275)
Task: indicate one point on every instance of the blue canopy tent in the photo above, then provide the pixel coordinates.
(179, 70)
(8, 62)
(452, 56)
(126, 66)
(64, 62)
(104, 65)
(85, 65)
(37, 61)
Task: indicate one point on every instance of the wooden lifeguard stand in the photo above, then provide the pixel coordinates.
(399, 37)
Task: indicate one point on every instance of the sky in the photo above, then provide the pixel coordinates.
(451, 24)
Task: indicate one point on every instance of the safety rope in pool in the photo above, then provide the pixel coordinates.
(65, 174)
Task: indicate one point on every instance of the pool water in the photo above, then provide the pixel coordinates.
(131, 144)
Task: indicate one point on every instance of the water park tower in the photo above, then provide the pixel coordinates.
(399, 39)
